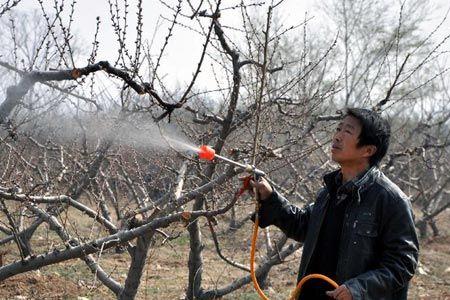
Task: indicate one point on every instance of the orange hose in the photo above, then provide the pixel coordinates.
(252, 257)
(296, 292)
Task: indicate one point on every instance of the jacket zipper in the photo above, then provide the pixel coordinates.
(346, 217)
(327, 198)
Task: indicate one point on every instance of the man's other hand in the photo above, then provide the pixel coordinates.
(341, 293)
(263, 188)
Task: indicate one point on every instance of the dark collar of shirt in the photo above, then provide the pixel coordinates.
(333, 182)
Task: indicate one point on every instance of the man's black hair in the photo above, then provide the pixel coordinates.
(375, 131)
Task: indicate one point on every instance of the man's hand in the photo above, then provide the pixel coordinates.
(263, 188)
(341, 293)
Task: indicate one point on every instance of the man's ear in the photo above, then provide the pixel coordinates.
(370, 150)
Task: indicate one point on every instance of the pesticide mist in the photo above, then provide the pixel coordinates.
(139, 133)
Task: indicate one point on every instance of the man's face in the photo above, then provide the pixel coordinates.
(344, 149)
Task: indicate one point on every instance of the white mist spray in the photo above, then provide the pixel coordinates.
(135, 132)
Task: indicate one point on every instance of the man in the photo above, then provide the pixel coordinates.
(360, 230)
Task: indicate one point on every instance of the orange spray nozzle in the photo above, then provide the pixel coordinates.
(206, 152)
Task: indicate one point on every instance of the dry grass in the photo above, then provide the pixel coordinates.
(166, 273)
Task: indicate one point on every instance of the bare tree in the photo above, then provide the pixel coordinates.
(74, 148)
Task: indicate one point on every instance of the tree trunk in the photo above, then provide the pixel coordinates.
(138, 262)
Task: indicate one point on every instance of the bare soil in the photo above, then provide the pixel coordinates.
(166, 273)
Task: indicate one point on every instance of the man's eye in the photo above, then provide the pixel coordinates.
(348, 131)
(338, 129)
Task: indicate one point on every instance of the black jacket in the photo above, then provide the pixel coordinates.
(378, 250)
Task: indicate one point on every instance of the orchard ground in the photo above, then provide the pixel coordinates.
(165, 275)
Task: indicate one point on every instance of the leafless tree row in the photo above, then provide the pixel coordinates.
(84, 164)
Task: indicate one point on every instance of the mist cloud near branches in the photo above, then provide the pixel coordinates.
(143, 134)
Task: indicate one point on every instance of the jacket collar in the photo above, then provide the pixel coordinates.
(359, 183)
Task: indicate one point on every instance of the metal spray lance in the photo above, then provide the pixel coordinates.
(207, 153)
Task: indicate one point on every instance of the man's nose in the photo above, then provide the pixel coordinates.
(337, 137)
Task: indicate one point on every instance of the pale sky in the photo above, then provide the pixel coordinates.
(184, 47)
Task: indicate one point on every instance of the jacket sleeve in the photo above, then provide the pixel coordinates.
(399, 255)
(292, 220)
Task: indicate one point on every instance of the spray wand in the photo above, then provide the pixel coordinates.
(207, 153)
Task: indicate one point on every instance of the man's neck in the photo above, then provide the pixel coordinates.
(350, 172)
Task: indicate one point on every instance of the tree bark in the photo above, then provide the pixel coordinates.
(138, 262)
